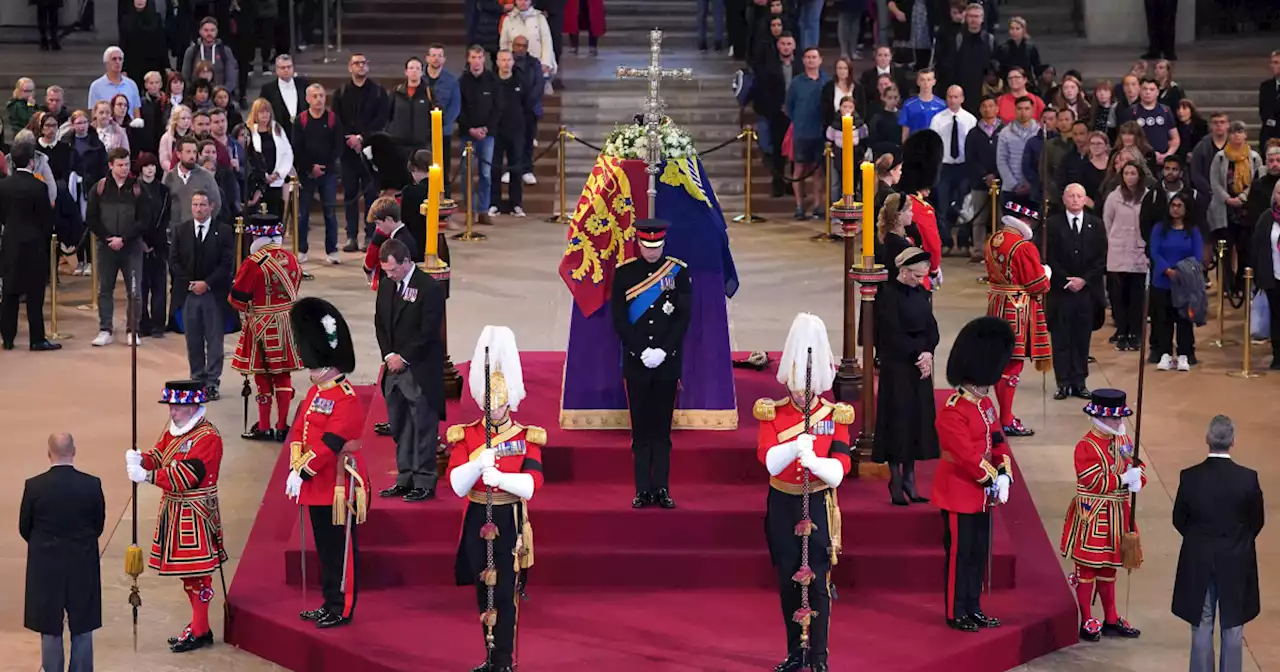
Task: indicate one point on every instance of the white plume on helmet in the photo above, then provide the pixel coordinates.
(807, 331)
(504, 359)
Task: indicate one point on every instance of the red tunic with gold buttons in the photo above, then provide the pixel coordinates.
(333, 416)
(518, 448)
(974, 453)
(782, 421)
(188, 535)
(1017, 290)
(926, 220)
(1099, 513)
(265, 289)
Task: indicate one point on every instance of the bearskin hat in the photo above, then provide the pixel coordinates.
(921, 161)
(981, 351)
(322, 335)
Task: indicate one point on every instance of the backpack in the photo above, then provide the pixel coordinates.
(102, 185)
(305, 116)
(991, 41)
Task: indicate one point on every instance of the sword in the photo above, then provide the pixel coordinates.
(302, 534)
(346, 551)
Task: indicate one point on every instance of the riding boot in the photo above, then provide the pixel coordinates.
(909, 482)
(896, 495)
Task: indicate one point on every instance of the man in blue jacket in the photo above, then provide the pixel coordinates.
(445, 95)
(529, 70)
(804, 107)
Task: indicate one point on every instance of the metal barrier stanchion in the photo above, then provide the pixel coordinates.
(239, 241)
(828, 236)
(469, 235)
(1246, 370)
(53, 334)
(93, 274)
(339, 8)
(993, 203)
(293, 30)
(294, 212)
(746, 216)
(1222, 341)
(324, 35)
(561, 217)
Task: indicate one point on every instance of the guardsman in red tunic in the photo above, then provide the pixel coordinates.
(265, 289)
(976, 468)
(188, 539)
(501, 464)
(789, 452)
(1019, 282)
(1107, 473)
(921, 161)
(326, 473)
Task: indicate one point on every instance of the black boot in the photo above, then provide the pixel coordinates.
(896, 496)
(190, 642)
(909, 483)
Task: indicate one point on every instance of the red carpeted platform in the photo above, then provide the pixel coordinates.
(651, 590)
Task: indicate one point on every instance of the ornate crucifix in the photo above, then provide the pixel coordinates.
(653, 107)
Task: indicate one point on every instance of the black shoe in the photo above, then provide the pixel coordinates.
(282, 433)
(1133, 344)
(1081, 392)
(1171, 56)
(1149, 55)
(314, 615)
(502, 668)
(1191, 359)
(702, 46)
(1091, 631)
(719, 46)
(1153, 357)
(351, 246)
(45, 346)
(909, 484)
(483, 667)
(1115, 338)
(395, 491)
(382, 428)
(1120, 628)
(212, 393)
(641, 500)
(896, 496)
(1275, 364)
(7, 346)
(962, 624)
(984, 621)
(1017, 429)
(818, 667)
(185, 632)
(663, 498)
(420, 495)
(189, 642)
(1063, 392)
(332, 621)
(793, 663)
(257, 434)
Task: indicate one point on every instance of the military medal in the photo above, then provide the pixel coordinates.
(667, 308)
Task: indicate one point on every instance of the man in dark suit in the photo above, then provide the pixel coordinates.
(286, 93)
(1269, 102)
(774, 71)
(1219, 513)
(62, 516)
(650, 305)
(1076, 255)
(202, 260)
(407, 317)
(870, 78)
(26, 223)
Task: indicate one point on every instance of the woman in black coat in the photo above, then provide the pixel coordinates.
(1266, 237)
(47, 21)
(906, 336)
(142, 39)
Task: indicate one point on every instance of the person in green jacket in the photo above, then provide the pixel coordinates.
(22, 105)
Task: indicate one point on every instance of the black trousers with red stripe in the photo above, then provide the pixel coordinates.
(782, 513)
(966, 540)
(472, 559)
(331, 544)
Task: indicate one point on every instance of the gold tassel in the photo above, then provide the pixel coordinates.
(526, 541)
(1044, 365)
(133, 561)
(362, 505)
(835, 523)
(1131, 550)
(339, 505)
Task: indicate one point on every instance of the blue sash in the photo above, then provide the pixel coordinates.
(641, 297)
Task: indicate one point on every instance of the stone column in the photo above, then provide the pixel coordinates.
(1124, 22)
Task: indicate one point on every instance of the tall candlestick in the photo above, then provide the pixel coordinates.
(868, 208)
(435, 186)
(437, 141)
(846, 160)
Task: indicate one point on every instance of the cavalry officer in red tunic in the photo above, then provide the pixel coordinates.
(787, 451)
(976, 468)
(504, 462)
(188, 538)
(326, 474)
(1019, 282)
(265, 289)
(1106, 474)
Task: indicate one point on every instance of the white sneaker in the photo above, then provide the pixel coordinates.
(333, 259)
(80, 269)
(535, 143)
(528, 178)
(548, 89)
(1183, 364)
(302, 257)
(517, 211)
(130, 338)
(104, 338)
(506, 178)
(493, 211)
(1166, 362)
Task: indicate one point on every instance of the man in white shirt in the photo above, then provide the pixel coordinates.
(286, 93)
(114, 82)
(952, 125)
(201, 262)
(1076, 255)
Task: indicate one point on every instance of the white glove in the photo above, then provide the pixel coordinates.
(804, 446)
(780, 457)
(520, 485)
(137, 123)
(293, 485)
(1132, 478)
(368, 153)
(646, 358)
(1002, 488)
(1048, 272)
(462, 478)
(937, 278)
(659, 356)
(488, 458)
(136, 473)
(132, 458)
(828, 469)
(492, 477)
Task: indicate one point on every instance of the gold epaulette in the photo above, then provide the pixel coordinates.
(951, 400)
(535, 435)
(455, 432)
(765, 410)
(841, 413)
(678, 261)
(626, 261)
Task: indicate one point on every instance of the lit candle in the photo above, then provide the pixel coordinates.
(437, 138)
(846, 163)
(868, 208)
(435, 180)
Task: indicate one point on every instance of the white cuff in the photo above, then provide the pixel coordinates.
(520, 485)
(779, 456)
(464, 477)
(828, 469)
(389, 356)
(1048, 272)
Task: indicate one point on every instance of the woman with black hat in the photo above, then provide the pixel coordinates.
(906, 337)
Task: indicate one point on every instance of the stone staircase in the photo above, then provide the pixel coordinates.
(1044, 19)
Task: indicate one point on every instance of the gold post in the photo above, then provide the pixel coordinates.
(1222, 340)
(561, 217)
(1245, 370)
(993, 201)
(828, 236)
(53, 334)
(93, 274)
(469, 235)
(292, 213)
(239, 240)
(746, 216)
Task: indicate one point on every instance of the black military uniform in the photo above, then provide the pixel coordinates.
(650, 306)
